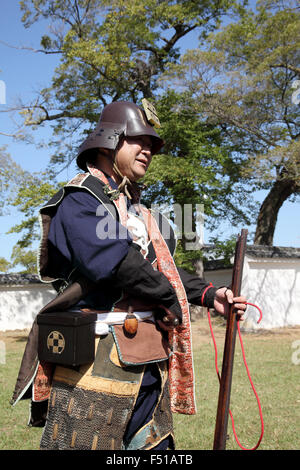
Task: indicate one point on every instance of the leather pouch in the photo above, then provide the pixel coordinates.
(147, 345)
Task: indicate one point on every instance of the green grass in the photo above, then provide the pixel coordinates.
(14, 432)
(276, 378)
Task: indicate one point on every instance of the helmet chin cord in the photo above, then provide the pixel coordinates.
(123, 186)
(130, 189)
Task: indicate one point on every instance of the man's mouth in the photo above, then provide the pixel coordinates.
(142, 161)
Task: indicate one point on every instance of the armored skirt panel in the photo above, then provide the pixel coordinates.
(90, 406)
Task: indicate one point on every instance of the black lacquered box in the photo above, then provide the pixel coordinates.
(67, 338)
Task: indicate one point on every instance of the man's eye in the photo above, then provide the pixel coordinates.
(145, 143)
(140, 141)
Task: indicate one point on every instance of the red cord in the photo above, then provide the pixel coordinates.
(247, 369)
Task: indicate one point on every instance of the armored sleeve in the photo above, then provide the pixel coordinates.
(75, 231)
(87, 238)
(194, 287)
(137, 277)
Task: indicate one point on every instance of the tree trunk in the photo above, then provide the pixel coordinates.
(267, 218)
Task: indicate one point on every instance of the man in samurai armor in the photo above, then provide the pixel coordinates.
(107, 254)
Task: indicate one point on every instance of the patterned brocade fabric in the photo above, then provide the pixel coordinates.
(181, 368)
(89, 408)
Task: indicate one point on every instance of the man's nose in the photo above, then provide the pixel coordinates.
(146, 150)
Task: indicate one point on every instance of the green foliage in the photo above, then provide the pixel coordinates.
(118, 50)
(27, 192)
(226, 107)
(32, 194)
(11, 175)
(25, 258)
(243, 84)
(187, 259)
(19, 258)
(108, 50)
(224, 249)
(197, 166)
(4, 265)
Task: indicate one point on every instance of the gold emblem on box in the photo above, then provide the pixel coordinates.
(56, 342)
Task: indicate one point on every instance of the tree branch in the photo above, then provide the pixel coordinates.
(27, 48)
(287, 66)
(180, 32)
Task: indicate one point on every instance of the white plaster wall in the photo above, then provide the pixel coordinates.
(273, 285)
(20, 304)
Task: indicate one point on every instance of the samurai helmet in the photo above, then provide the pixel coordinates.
(121, 118)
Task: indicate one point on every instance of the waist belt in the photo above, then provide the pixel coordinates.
(105, 319)
(117, 318)
(146, 345)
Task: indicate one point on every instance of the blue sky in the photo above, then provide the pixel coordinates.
(24, 72)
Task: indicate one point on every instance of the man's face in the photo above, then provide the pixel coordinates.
(134, 156)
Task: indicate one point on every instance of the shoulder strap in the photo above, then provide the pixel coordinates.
(166, 230)
(82, 181)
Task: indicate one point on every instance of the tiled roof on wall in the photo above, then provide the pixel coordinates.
(263, 251)
(19, 279)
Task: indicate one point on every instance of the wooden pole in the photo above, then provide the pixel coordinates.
(229, 346)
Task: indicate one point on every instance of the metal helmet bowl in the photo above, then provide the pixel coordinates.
(118, 118)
